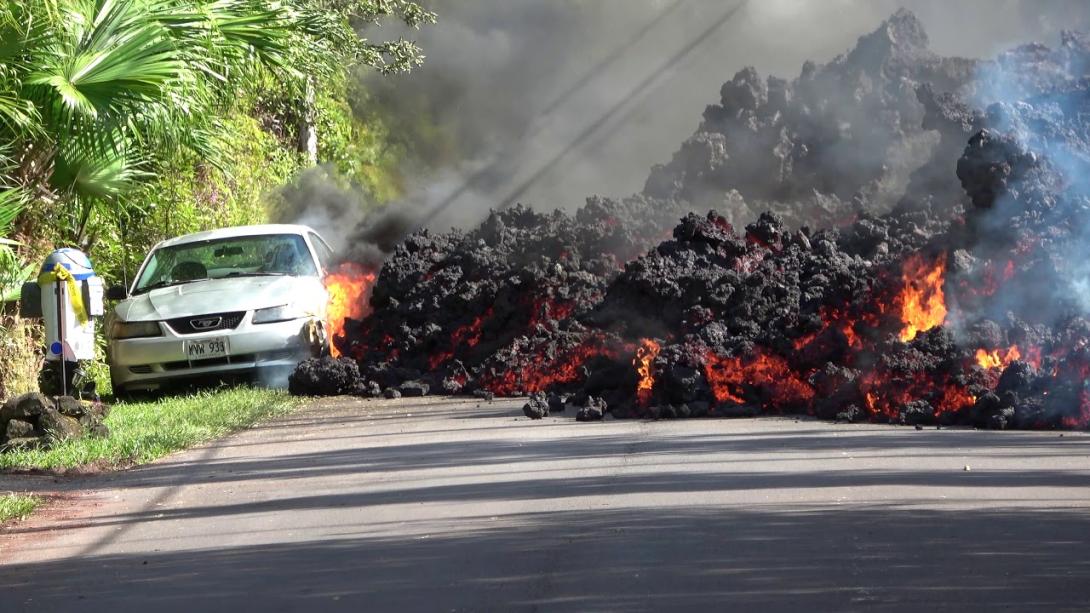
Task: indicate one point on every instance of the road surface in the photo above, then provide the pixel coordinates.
(441, 505)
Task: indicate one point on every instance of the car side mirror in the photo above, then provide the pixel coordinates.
(117, 292)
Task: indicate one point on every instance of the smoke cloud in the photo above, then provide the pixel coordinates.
(547, 103)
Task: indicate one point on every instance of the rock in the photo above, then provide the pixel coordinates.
(593, 410)
(29, 442)
(413, 389)
(537, 407)
(71, 407)
(58, 427)
(589, 414)
(484, 395)
(391, 393)
(325, 376)
(18, 428)
(738, 410)
(26, 405)
(699, 408)
(916, 413)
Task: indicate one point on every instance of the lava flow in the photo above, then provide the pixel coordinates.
(349, 287)
(997, 358)
(645, 355)
(773, 272)
(923, 304)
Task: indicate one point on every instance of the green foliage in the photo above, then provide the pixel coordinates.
(364, 153)
(20, 354)
(99, 95)
(13, 272)
(125, 122)
(141, 432)
(17, 506)
(191, 196)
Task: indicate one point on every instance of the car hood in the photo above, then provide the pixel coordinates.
(223, 296)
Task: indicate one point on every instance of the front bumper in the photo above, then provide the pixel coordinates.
(152, 363)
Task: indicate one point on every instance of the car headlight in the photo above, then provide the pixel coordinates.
(135, 329)
(285, 312)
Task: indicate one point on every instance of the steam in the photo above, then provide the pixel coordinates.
(1046, 125)
(548, 103)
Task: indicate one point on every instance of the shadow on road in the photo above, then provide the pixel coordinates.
(699, 559)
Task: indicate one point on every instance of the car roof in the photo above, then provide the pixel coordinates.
(237, 231)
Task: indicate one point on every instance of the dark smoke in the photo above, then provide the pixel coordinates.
(509, 84)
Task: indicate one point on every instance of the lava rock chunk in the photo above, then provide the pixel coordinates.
(594, 409)
(537, 407)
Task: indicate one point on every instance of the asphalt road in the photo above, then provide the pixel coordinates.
(443, 505)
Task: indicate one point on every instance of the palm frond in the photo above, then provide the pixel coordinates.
(12, 201)
(114, 54)
(96, 165)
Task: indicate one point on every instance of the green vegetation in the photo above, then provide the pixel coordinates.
(17, 506)
(144, 431)
(124, 122)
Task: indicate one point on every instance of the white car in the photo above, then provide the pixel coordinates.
(237, 301)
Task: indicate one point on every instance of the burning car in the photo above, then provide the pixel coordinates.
(229, 302)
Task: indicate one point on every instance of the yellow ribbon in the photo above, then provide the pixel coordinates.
(75, 296)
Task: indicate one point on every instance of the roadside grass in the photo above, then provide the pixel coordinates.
(144, 431)
(17, 506)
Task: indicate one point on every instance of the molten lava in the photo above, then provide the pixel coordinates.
(997, 358)
(923, 304)
(645, 355)
(348, 286)
(469, 335)
(778, 385)
(540, 370)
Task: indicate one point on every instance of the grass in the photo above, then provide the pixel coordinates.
(17, 506)
(144, 431)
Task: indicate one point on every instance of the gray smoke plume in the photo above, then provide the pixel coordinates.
(547, 103)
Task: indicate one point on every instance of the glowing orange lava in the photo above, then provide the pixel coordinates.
(923, 304)
(780, 386)
(997, 358)
(645, 354)
(348, 288)
(542, 370)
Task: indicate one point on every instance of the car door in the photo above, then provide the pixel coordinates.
(323, 251)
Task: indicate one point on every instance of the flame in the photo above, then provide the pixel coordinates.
(886, 396)
(645, 354)
(954, 398)
(923, 304)
(348, 286)
(772, 375)
(997, 358)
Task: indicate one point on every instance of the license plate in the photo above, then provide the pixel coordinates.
(205, 348)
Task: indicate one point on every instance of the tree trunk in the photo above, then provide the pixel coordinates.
(308, 131)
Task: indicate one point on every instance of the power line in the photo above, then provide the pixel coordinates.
(475, 180)
(604, 119)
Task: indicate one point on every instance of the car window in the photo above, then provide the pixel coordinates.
(271, 254)
(325, 254)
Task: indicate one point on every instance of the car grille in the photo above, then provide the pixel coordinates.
(206, 323)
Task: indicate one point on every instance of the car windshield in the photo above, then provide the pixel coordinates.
(244, 256)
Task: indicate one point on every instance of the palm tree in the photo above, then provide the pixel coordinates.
(95, 94)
